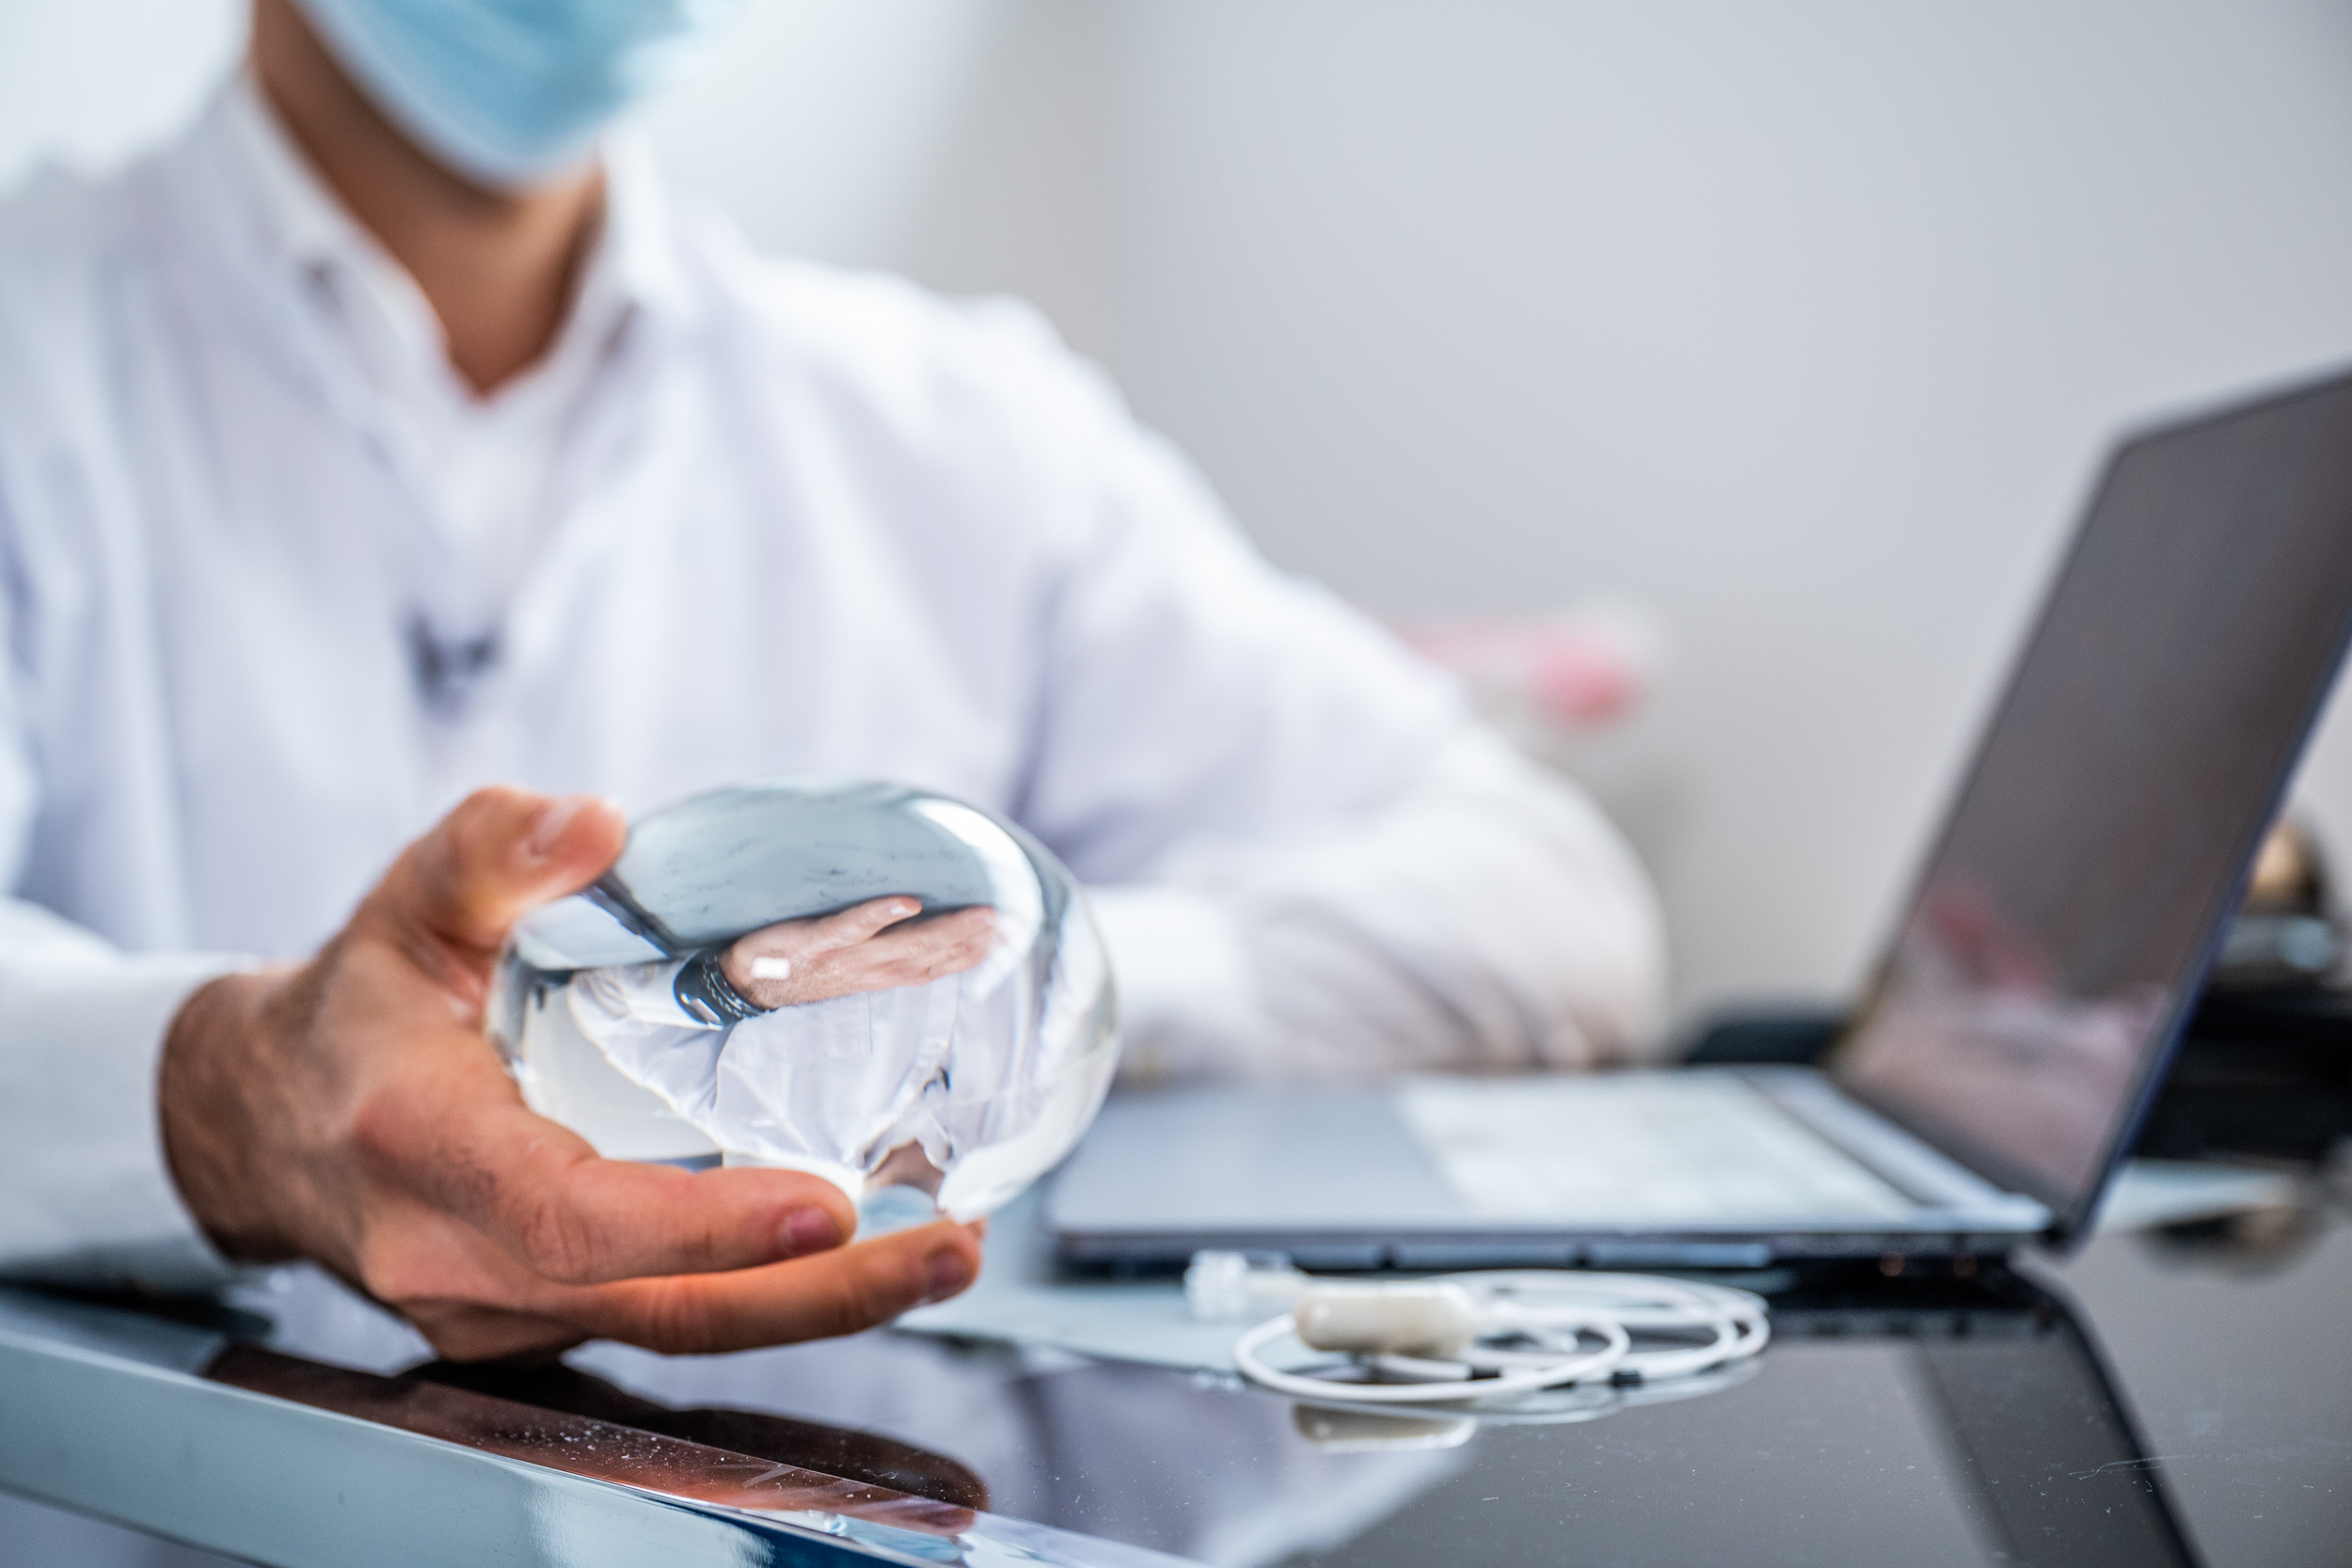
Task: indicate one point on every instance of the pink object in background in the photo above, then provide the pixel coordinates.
(1580, 669)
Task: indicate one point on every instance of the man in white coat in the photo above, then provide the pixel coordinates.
(391, 434)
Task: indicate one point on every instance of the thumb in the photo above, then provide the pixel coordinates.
(502, 851)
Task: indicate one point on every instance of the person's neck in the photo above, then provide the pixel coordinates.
(496, 266)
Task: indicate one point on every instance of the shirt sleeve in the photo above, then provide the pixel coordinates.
(86, 1196)
(1309, 858)
(1486, 916)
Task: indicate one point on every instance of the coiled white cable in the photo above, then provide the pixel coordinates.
(1479, 1340)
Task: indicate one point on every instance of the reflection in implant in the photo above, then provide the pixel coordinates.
(893, 990)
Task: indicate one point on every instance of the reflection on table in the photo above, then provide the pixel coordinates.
(1965, 1421)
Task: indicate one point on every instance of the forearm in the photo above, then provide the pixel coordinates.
(1486, 916)
(85, 1196)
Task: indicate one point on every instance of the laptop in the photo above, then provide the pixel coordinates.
(2023, 1015)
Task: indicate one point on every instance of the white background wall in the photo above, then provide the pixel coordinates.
(1801, 324)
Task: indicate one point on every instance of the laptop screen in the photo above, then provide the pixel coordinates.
(2066, 918)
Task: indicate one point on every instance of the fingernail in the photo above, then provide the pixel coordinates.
(810, 1230)
(549, 824)
(949, 1274)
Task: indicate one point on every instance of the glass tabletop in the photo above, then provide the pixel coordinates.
(2178, 1397)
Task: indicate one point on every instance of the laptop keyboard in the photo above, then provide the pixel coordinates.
(1651, 1148)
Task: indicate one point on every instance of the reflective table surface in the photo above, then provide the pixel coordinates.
(2162, 1398)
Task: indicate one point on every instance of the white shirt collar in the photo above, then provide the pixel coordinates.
(307, 223)
(632, 267)
(487, 468)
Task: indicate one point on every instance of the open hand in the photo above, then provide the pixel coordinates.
(876, 945)
(350, 1109)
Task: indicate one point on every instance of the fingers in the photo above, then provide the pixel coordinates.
(846, 1291)
(858, 923)
(474, 1302)
(497, 854)
(453, 1131)
(871, 946)
(473, 1305)
(773, 965)
(615, 1219)
(913, 954)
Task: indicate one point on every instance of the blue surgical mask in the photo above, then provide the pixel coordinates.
(511, 92)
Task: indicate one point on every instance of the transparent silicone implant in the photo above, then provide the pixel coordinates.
(888, 988)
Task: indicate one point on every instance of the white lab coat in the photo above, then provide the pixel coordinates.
(797, 521)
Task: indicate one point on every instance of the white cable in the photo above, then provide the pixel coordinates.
(1529, 1299)
(1559, 1371)
(1482, 1338)
(1571, 1402)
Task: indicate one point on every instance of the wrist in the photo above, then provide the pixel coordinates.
(702, 989)
(213, 1070)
